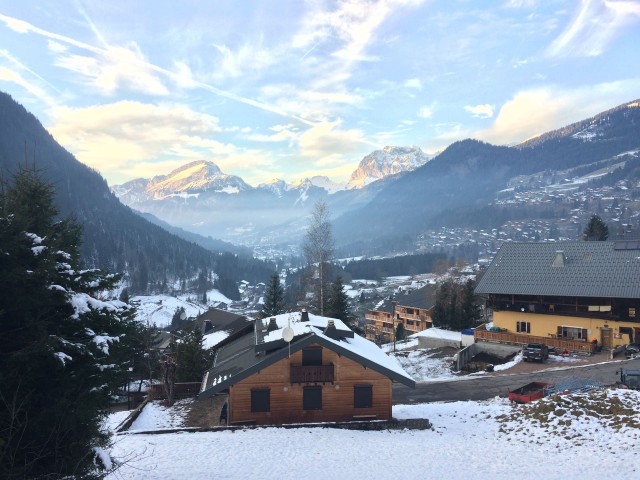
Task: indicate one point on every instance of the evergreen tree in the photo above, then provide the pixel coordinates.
(456, 306)
(273, 298)
(596, 230)
(191, 357)
(338, 305)
(179, 316)
(63, 350)
(400, 332)
(469, 308)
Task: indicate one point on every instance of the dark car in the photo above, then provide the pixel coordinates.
(632, 350)
(537, 352)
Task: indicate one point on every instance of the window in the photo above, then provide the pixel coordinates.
(363, 396)
(632, 312)
(523, 327)
(409, 311)
(260, 400)
(312, 356)
(312, 398)
(574, 333)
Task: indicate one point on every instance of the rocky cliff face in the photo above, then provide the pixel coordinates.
(385, 162)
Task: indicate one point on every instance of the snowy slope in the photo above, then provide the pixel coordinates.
(491, 439)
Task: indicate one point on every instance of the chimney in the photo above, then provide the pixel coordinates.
(331, 331)
(273, 325)
(559, 260)
(304, 316)
(208, 326)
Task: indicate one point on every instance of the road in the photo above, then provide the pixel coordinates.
(489, 386)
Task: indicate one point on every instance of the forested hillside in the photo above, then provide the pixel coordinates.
(115, 237)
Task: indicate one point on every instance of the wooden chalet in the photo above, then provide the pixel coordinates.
(324, 373)
(413, 310)
(572, 295)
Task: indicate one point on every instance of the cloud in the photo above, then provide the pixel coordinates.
(113, 138)
(348, 29)
(536, 111)
(327, 138)
(56, 47)
(7, 75)
(480, 111)
(596, 24)
(89, 65)
(248, 58)
(425, 112)
(413, 83)
(115, 69)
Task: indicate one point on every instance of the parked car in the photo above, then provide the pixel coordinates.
(632, 350)
(538, 352)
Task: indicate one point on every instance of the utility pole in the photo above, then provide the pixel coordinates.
(393, 322)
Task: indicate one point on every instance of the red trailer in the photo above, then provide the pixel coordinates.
(528, 393)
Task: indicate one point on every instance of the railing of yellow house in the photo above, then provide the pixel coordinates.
(522, 339)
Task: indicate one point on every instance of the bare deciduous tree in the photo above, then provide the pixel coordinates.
(318, 248)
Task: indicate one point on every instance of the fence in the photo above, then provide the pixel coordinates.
(522, 339)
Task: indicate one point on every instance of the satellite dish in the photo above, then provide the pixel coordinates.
(287, 334)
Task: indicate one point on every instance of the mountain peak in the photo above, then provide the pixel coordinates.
(187, 180)
(388, 161)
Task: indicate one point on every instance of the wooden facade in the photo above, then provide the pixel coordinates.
(381, 326)
(286, 397)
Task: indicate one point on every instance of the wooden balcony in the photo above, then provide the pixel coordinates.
(312, 373)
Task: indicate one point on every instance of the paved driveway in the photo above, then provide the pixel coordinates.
(598, 367)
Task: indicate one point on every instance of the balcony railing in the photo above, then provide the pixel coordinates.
(312, 373)
(523, 338)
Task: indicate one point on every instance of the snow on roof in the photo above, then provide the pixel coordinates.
(214, 338)
(439, 333)
(299, 327)
(317, 324)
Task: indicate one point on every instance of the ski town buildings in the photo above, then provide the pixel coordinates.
(412, 310)
(299, 368)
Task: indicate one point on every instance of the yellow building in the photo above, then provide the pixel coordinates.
(578, 292)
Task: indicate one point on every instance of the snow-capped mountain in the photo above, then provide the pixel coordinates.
(388, 161)
(276, 186)
(319, 181)
(186, 181)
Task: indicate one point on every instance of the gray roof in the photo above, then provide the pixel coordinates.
(421, 298)
(249, 354)
(571, 269)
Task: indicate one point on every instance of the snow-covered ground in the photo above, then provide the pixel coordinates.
(159, 309)
(580, 437)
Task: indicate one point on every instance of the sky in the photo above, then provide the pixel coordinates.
(290, 89)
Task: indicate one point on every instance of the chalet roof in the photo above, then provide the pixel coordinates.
(257, 350)
(572, 269)
(225, 325)
(421, 298)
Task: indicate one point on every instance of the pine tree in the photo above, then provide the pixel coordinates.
(338, 304)
(273, 298)
(400, 332)
(191, 357)
(63, 350)
(596, 230)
